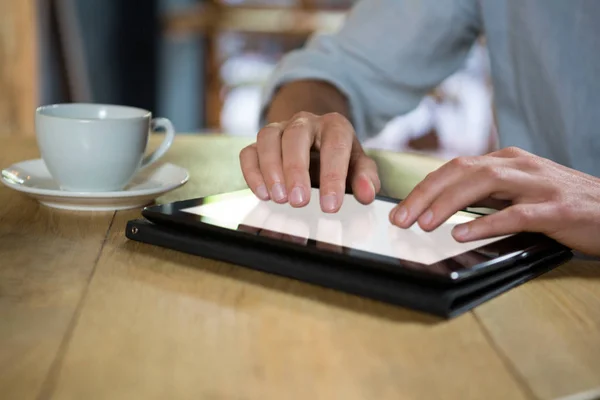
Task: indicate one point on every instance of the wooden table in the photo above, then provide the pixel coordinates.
(87, 314)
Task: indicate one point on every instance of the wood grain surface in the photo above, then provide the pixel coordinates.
(18, 66)
(46, 261)
(87, 314)
(550, 330)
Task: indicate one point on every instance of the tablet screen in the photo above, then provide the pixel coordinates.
(355, 227)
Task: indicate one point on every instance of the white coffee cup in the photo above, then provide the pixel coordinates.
(97, 147)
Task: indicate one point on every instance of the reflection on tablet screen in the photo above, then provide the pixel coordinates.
(355, 226)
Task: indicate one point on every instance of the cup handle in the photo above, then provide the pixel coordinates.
(155, 124)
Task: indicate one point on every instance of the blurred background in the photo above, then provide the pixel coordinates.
(202, 64)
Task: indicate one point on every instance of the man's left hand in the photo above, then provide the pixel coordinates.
(535, 195)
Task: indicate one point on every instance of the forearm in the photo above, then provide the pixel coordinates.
(316, 97)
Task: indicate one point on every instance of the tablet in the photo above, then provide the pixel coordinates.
(359, 235)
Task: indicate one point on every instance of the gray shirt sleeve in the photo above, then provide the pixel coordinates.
(386, 57)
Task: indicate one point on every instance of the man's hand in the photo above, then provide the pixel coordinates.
(277, 166)
(538, 196)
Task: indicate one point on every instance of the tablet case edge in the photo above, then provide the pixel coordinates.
(442, 302)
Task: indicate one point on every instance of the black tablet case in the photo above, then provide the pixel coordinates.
(443, 301)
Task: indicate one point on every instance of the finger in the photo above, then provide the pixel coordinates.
(329, 247)
(270, 234)
(518, 218)
(296, 142)
(475, 187)
(268, 146)
(294, 239)
(421, 197)
(495, 204)
(249, 229)
(251, 172)
(336, 140)
(364, 178)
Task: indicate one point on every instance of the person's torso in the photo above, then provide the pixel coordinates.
(545, 59)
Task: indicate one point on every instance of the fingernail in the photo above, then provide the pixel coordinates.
(262, 192)
(278, 192)
(461, 231)
(427, 217)
(329, 203)
(297, 196)
(400, 215)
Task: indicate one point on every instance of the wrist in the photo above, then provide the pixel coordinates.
(315, 97)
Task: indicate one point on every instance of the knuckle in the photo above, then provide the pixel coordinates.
(529, 163)
(463, 162)
(421, 188)
(297, 123)
(302, 115)
(295, 168)
(490, 224)
(244, 152)
(369, 163)
(566, 211)
(495, 173)
(430, 178)
(430, 175)
(333, 177)
(440, 205)
(555, 193)
(337, 122)
(514, 151)
(269, 168)
(522, 216)
(260, 136)
(247, 151)
(333, 117)
(265, 132)
(274, 125)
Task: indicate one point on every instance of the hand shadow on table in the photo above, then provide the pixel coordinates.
(286, 285)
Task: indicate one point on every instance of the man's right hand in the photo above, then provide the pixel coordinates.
(276, 167)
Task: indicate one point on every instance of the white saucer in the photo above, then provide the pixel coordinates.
(32, 178)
